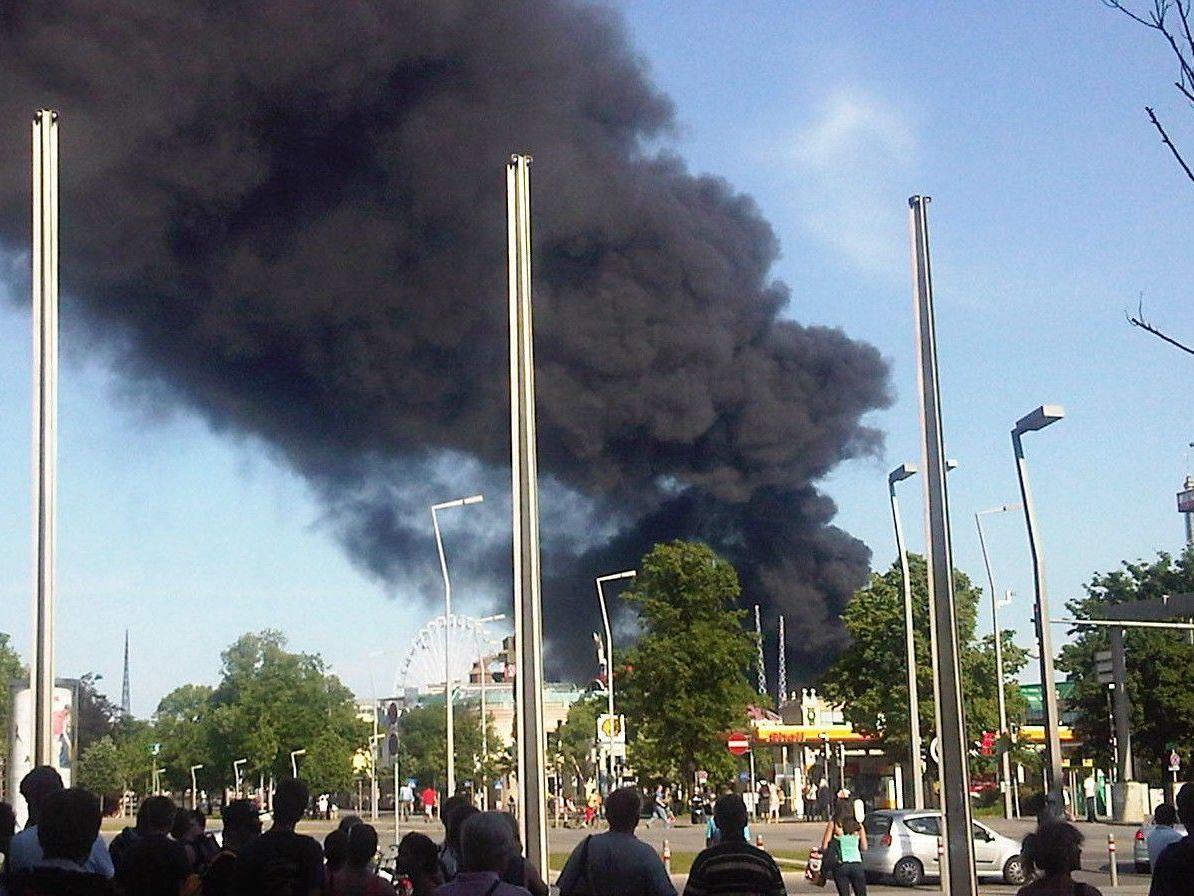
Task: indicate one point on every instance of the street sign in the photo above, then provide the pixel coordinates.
(702, 776)
(1185, 501)
(935, 750)
(738, 743)
(1175, 761)
(1103, 667)
(611, 729)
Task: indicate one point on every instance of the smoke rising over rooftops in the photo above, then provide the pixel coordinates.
(292, 216)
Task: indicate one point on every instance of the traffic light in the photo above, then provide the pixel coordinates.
(390, 742)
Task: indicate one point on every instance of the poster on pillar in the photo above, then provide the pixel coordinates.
(20, 759)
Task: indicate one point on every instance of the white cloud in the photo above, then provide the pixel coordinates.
(851, 162)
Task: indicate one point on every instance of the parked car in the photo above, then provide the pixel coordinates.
(902, 843)
(1140, 846)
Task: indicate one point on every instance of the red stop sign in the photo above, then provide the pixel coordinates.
(738, 743)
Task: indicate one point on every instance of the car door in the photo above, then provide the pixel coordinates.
(986, 850)
(925, 829)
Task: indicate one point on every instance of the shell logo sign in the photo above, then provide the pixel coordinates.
(802, 734)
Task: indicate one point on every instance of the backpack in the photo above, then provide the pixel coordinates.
(280, 876)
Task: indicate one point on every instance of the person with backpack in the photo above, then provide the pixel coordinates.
(844, 860)
(242, 825)
(356, 877)
(281, 862)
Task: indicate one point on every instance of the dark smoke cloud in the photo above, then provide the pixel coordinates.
(291, 216)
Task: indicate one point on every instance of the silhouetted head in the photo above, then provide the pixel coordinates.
(418, 854)
(290, 802)
(486, 843)
(242, 823)
(362, 845)
(70, 822)
(622, 808)
(185, 828)
(36, 786)
(156, 815)
(348, 821)
(1055, 848)
(1185, 805)
(335, 849)
(1164, 814)
(729, 814)
(454, 821)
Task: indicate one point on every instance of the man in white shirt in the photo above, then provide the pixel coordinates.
(25, 851)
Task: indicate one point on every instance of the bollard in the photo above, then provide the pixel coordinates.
(759, 841)
(667, 857)
(1111, 865)
(941, 862)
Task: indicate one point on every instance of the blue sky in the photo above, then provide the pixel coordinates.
(1055, 207)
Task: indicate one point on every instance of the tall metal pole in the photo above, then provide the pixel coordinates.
(781, 670)
(1005, 761)
(918, 777)
(958, 876)
(45, 427)
(484, 661)
(443, 566)
(528, 616)
(1039, 418)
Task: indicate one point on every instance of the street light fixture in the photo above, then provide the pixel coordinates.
(294, 755)
(899, 474)
(194, 787)
(236, 773)
(483, 662)
(609, 662)
(1005, 763)
(443, 565)
(1039, 419)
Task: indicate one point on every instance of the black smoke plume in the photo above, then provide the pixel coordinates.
(290, 216)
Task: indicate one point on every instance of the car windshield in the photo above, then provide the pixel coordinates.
(876, 825)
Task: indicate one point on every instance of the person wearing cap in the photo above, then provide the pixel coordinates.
(25, 851)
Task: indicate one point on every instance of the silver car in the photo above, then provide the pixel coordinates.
(1140, 845)
(903, 843)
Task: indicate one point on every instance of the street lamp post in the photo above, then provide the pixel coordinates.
(483, 662)
(609, 664)
(900, 473)
(443, 565)
(236, 773)
(1005, 762)
(1039, 419)
(294, 755)
(194, 787)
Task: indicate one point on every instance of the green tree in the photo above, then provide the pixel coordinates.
(869, 679)
(96, 716)
(271, 701)
(1160, 666)
(327, 766)
(574, 739)
(11, 669)
(423, 753)
(102, 771)
(685, 683)
(182, 726)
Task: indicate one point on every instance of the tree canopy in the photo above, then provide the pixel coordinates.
(685, 684)
(870, 680)
(1160, 668)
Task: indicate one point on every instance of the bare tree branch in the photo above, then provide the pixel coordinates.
(1139, 321)
(1165, 139)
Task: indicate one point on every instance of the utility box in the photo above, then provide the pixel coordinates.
(1130, 802)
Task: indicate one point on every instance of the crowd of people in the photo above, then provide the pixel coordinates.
(168, 852)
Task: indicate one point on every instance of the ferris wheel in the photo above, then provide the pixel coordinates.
(467, 638)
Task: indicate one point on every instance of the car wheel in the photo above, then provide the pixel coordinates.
(1013, 871)
(1142, 867)
(908, 872)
